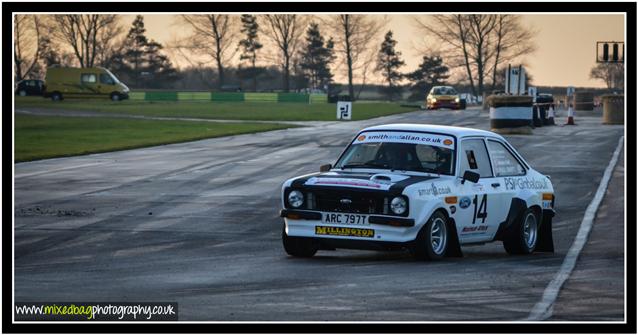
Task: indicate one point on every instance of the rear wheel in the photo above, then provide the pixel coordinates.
(432, 241)
(298, 246)
(22, 93)
(55, 96)
(521, 238)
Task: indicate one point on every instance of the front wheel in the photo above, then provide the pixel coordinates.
(298, 246)
(56, 96)
(521, 238)
(115, 97)
(22, 93)
(432, 241)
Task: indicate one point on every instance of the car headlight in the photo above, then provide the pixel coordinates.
(433, 99)
(295, 199)
(398, 205)
(457, 99)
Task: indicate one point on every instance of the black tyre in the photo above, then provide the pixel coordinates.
(22, 93)
(521, 238)
(298, 246)
(115, 97)
(432, 241)
(56, 96)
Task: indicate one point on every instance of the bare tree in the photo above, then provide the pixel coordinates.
(28, 44)
(285, 31)
(87, 34)
(213, 35)
(354, 35)
(613, 74)
(513, 40)
(479, 43)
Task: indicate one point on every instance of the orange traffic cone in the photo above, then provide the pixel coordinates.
(570, 116)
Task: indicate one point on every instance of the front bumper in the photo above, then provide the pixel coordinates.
(302, 223)
(444, 104)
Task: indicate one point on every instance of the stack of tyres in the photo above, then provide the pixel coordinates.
(613, 109)
(511, 114)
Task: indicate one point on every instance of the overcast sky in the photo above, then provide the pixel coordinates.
(566, 43)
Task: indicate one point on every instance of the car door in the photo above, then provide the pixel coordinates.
(507, 170)
(89, 85)
(479, 212)
(107, 84)
(30, 87)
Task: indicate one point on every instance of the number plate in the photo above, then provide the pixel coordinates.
(344, 218)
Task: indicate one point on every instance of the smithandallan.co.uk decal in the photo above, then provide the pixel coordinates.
(406, 137)
(523, 183)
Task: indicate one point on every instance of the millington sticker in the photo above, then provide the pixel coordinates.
(344, 231)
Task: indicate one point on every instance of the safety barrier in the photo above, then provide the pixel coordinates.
(228, 97)
(293, 97)
(193, 96)
(160, 96)
(137, 95)
(260, 97)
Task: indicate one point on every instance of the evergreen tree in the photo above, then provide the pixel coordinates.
(388, 63)
(431, 72)
(133, 54)
(316, 58)
(142, 61)
(250, 45)
(158, 69)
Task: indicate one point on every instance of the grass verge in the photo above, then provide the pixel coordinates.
(39, 137)
(262, 111)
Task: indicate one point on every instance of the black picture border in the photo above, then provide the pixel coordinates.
(8, 8)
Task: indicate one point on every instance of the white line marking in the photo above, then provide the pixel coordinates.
(543, 309)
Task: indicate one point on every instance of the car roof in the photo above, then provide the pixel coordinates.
(458, 132)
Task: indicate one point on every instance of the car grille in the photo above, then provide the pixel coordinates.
(348, 202)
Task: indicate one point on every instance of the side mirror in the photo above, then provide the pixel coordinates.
(471, 176)
(325, 168)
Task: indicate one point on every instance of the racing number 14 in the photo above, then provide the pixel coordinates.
(480, 210)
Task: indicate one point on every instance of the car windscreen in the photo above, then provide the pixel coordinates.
(401, 151)
(450, 91)
(113, 77)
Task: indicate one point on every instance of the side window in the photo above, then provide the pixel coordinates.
(474, 157)
(505, 164)
(89, 78)
(106, 79)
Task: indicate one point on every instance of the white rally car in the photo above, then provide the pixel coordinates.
(425, 188)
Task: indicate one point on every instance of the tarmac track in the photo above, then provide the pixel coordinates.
(197, 223)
